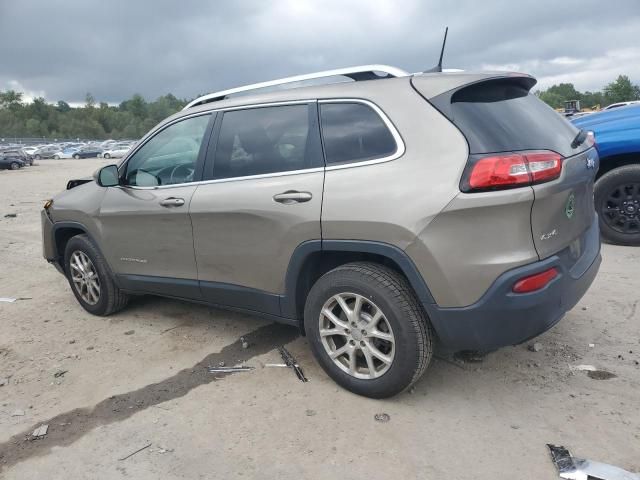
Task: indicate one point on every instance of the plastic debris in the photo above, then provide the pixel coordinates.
(7, 299)
(382, 417)
(230, 369)
(572, 468)
(41, 431)
(583, 368)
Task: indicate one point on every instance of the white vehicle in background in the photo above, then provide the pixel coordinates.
(621, 104)
(30, 150)
(118, 150)
(65, 154)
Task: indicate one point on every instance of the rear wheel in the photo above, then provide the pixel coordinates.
(37, 157)
(76, 156)
(90, 279)
(617, 198)
(367, 329)
(106, 155)
(14, 166)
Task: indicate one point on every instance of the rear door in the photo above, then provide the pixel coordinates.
(262, 200)
(501, 116)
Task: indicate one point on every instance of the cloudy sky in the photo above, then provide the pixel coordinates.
(114, 48)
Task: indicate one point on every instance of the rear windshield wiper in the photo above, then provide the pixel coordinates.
(580, 138)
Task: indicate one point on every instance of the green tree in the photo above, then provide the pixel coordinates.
(63, 106)
(622, 90)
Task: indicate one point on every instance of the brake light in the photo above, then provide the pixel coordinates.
(511, 170)
(535, 282)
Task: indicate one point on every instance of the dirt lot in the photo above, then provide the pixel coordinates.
(140, 377)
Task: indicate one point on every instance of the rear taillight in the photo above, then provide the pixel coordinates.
(509, 170)
(535, 282)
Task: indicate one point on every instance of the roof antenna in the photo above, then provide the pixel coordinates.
(438, 68)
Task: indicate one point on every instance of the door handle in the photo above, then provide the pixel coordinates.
(292, 196)
(172, 202)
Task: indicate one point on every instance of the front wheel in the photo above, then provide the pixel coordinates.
(90, 278)
(367, 329)
(617, 198)
(106, 155)
(15, 165)
(76, 156)
(37, 157)
(56, 157)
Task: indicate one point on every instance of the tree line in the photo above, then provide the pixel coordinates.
(136, 116)
(620, 90)
(129, 120)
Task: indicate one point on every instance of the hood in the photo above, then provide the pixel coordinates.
(617, 131)
(620, 114)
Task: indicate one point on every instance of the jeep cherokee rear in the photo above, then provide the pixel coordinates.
(377, 215)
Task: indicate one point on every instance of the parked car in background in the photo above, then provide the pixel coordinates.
(87, 151)
(10, 163)
(378, 216)
(47, 151)
(617, 189)
(118, 150)
(621, 104)
(19, 154)
(66, 153)
(30, 150)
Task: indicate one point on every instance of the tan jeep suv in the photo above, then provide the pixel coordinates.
(378, 215)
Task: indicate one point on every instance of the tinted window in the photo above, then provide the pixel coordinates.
(263, 140)
(500, 116)
(170, 156)
(353, 132)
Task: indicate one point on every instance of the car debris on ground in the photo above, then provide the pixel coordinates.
(137, 451)
(224, 369)
(290, 361)
(573, 468)
(40, 432)
(382, 417)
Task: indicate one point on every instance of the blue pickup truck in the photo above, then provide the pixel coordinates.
(617, 190)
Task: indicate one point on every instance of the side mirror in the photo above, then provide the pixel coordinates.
(107, 176)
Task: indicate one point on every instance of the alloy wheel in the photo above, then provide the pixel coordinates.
(357, 336)
(85, 277)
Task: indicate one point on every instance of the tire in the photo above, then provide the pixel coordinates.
(378, 288)
(619, 221)
(76, 156)
(37, 157)
(110, 298)
(14, 166)
(106, 155)
(56, 157)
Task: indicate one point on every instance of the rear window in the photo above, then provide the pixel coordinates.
(501, 116)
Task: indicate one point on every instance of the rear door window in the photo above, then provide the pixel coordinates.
(258, 141)
(354, 132)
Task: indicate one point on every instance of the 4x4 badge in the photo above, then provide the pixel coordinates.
(570, 207)
(591, 163)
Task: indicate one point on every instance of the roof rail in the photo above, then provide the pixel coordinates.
(363, 72)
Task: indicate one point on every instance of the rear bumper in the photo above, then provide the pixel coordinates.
(502, 318)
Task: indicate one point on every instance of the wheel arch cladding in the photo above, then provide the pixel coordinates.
(314, 258)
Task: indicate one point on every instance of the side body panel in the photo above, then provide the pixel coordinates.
(392, 201)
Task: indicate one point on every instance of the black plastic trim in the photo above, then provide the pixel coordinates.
(393, 253)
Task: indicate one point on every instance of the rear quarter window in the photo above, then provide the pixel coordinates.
(354, 132)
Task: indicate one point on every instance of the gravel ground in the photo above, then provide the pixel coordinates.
(107, 387)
